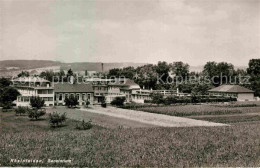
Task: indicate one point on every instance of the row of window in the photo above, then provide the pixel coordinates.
(83, 96)
(27, 98)
(46, 91)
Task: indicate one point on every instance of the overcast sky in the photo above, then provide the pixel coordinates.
(193, 31)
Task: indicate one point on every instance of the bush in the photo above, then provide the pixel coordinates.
(21, 110)
(84, 125)
(37, 102)
(72, 101)
(7, 105)
(118, 101)
(36, 113)
(57, 119)
(104, 105)
(103, 102)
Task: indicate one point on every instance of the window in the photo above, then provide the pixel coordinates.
(77, 96)
(50, 98)
(88, 96)
(83, 96)
(66, 95)
(50, 91)
(26, 99)
(60, 97)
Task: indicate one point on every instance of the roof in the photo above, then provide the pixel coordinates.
(231, 89)
(73, 88)
(124, 82)
(30, 79)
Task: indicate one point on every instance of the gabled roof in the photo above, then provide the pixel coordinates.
(231, 89)
(73, 88)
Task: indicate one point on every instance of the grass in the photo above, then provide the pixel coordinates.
(155, 147)
(231, 119)
(195, 110)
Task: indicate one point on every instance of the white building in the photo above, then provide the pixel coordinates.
(33, 86)
(236, 91)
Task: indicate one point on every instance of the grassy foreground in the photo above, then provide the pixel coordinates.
(237, 145)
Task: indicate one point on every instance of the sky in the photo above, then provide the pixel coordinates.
(144, 31)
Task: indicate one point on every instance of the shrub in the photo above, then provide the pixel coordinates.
(36, 113)
(157, 98)
(118, 101)
(84, 125)
(36, 102)
(57, 119)
(21, 110)
(87, 103)
(103, 102)
(7, 105)
(72, 101)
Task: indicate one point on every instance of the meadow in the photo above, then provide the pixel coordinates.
(203, 109)
(236, 145)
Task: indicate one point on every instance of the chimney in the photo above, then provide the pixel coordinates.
(102, 66)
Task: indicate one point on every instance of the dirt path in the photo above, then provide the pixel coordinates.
(148, 118)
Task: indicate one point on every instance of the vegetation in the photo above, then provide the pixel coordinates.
(233, 146)
(194, 110)
(71, 101)
(35, 114)
(24, 74)
(103, 102)
(87, 103)
(84, 125)
(21, 110)
(118, 101)
(57, 119)
(7, 93)
(36, 102)
(254, 71)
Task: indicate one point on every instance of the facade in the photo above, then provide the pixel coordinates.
(82, 91)
(121, 88)
(236, 91)
(33, 86)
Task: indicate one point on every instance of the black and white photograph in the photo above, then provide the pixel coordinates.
(129, 83)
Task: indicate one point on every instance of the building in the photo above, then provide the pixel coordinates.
(33, 86)
(82, 91)
(139, 96)
(121, 88)
(236, 91)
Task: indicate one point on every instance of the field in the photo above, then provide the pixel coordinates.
(208, 110)
(237, 145)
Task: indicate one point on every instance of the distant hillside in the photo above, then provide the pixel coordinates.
(27, 64)
(96, 66)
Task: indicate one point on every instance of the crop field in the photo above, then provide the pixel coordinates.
(205, 109)
(237, 145)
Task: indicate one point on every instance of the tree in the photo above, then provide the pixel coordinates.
(219, 73)
(24, 74)
(254, 71)
(37, 102)
(7, 96)
(162, 70)
(4, 82)
(118, 101)
(180, 69)
(71, 101)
